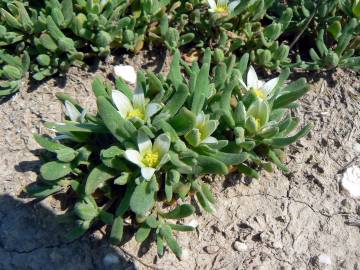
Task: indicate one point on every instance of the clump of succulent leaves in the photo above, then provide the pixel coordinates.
(331, 30)
(56, 34)
(231, 26)
(140, 159)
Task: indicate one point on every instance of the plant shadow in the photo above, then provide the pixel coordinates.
(31, 238)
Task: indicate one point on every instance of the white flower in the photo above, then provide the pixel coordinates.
(73, 113)
(149, 157)
(127, 73)
(222, 7)
(260, 88)
(137, 107)
(351, 181)
(204, 127)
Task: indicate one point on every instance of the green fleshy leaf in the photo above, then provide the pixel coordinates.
(142, 233)
(209, 165)
(97, 177)
(282, 142)
(183, 122)
(181, 211)
(42, 191)
(118, 126)
(55, 170)
(143, 198)
(117, 230)
(181, 227)
(166, 233)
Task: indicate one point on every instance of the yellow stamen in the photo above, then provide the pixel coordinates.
(259, 93)
(201, 128)
(136, 113)
(151, 159)
(258, 123)
(222, 9)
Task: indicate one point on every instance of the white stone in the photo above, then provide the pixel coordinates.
(239, 246)
(356, 148)
(277, 244)
(185, 254)
(325, 259)
(193, 223)
(111, 259)
(127, 73)
(351, 181)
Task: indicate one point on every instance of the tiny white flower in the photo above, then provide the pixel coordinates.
(351, 181)
(126, 72)
(149, 157)
(206, 127)
(222, 7)
(260, 88)
(201, 133)
(138, 107)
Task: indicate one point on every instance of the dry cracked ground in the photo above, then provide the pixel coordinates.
(299, 220)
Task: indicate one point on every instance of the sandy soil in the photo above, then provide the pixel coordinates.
(301, 220)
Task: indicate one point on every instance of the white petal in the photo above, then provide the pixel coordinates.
(252, 78)
(151, 109)
(72, 112)
(127, 73)
(260, 84)
(134, 157)
(121, 102)
(162, 144)
(209, 128)
(210, 140)
(351, 181)
(212, 4)
(200, 118)
(270, 85)
(139, 98)
(144, 142)
(233, 5)
(147, 172)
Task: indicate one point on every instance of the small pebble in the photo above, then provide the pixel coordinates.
(212, 249)
(185, 255)
(351, 181)
(193, 223)
(356, 148)
(325, 259)
(240, 246)
(111, 259)
(277, 244)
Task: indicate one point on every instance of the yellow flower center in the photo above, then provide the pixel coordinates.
(258, 123)
(222, 9)
(136, 113)
(201, 128)
(259, 93)
(151, 159)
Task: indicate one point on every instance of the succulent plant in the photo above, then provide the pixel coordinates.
(331, 31)
(56, 34)
(142, 156)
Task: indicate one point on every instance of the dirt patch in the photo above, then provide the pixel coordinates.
(279, 222)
